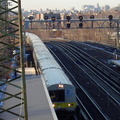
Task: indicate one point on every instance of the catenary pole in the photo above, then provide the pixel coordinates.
(22, 59)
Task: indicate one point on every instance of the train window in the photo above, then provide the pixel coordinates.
(57, 95)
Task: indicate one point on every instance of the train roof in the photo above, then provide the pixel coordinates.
(32, 36)
(51, 70)
(55, 76)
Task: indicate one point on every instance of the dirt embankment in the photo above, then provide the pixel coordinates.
(93, 35)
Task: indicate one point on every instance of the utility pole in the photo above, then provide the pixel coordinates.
(11, 58)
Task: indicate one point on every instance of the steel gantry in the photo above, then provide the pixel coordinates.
(110, 23)
(13, 100)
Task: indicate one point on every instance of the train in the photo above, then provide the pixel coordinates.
(61, 90)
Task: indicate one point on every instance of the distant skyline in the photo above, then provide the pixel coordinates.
(64, 4)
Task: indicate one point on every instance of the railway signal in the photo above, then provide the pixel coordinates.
(92, 17)
(110, 18)
(80, 24)
(53, 20)
(59, 21)
(31, 19)
(68, 21)
(46, 17)
(71, 23)
(68, 18)
(46, 20)
(68, 25)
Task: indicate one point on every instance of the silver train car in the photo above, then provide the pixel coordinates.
(61, 90)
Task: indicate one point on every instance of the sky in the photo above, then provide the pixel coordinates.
(64, 4)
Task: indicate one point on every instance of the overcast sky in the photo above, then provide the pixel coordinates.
(64, 4)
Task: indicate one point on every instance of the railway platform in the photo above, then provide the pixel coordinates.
(39, 103)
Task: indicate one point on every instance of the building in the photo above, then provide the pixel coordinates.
(87, 8)
(50, 15)
(106, 8)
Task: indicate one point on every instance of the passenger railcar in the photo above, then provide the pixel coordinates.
(61, 90)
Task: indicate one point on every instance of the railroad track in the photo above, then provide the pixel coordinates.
(87, 86)
(106, 48)
(112, 77)
(105, 53)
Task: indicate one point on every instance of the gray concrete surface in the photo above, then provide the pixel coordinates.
(39, 103)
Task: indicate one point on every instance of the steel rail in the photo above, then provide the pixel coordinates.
(88, 96)
(116, 101)
(112, 71)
